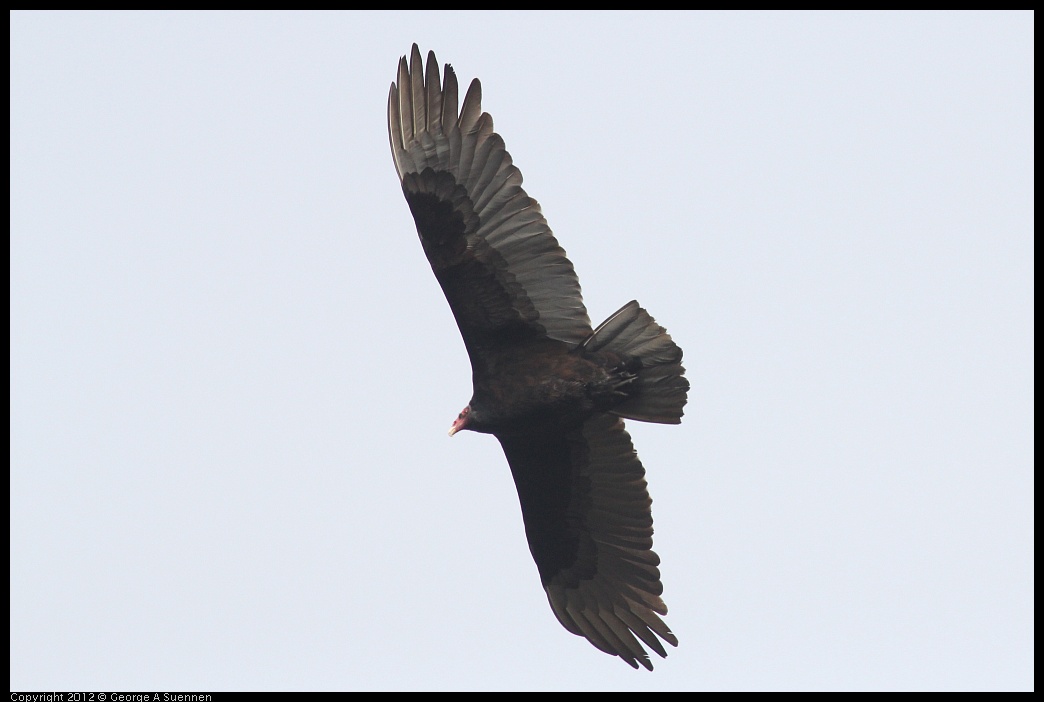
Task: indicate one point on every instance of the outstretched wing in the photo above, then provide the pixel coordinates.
(503, 272)
(589, 525)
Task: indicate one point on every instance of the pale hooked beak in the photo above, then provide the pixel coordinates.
(458, 424)
(461, 421)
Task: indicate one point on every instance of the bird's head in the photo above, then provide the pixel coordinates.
(462, 421)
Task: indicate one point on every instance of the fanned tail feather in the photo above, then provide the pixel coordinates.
(660, 391)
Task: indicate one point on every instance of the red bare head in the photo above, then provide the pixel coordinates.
(461, 422)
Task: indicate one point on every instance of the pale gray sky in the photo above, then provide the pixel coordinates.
(232, 370)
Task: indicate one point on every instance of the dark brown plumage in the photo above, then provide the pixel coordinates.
(551, 389)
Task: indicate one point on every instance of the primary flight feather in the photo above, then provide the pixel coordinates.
(548, 386)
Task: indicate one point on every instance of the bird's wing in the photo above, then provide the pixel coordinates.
(587, 516)
(503, 272)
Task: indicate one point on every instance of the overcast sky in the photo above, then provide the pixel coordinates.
(232, 371)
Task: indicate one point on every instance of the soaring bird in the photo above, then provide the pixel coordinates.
(550, 388)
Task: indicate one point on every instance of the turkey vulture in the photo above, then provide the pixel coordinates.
(551, 389)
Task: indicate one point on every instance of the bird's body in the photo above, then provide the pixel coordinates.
(547, 385)
(541, 384)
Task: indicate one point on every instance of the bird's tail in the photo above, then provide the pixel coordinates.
(658, 392)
